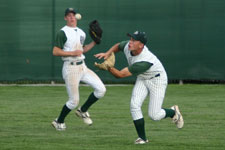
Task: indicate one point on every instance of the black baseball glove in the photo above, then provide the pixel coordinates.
(95, 31)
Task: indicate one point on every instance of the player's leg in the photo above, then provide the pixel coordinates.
(90, 78)
(139, 94)
(95, 82)
(71, 75)
(157, 87)
(72, 87)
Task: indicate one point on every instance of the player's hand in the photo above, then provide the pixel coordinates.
(76, 53)
(108, 63)
(102, 55)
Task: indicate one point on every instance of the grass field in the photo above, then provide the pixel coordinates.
(26, 114)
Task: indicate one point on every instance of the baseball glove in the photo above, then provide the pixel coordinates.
(95, 31)
(109, 62)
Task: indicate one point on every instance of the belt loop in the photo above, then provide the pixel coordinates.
(157, 75)
(79, 62)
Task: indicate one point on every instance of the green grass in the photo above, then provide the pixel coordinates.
(26, 114)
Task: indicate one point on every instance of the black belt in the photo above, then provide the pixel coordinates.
(76, 63)
(157, 75)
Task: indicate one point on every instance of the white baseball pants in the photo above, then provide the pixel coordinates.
(73, 74)
(156, 88)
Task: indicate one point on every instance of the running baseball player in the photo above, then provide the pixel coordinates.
(69, 45)
(151, 79)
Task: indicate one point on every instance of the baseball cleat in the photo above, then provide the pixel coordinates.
(85, 116)
(58, 126)
(140, 141)
(177, 119)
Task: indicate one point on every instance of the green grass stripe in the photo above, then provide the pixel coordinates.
(26, 113)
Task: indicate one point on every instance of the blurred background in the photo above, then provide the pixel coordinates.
(188, 36)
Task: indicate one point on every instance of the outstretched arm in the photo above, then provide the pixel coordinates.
(120, 74)
(114, 48)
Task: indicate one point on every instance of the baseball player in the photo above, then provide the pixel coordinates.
(151, 79)
(69, 44)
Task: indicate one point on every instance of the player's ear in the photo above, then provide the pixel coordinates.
(141, 45)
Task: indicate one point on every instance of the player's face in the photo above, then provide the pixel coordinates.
(134, 45)
(71, 20)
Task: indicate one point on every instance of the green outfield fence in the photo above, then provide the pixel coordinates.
(188, 36)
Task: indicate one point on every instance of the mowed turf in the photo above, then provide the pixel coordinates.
(26, 113)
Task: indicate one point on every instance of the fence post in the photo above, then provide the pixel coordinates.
(53, 39)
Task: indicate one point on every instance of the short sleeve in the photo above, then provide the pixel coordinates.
(122, 45)
(139, 67)
(60, 39)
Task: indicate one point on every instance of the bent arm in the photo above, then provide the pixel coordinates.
(59, 52)
(89, 46)
(135, 69)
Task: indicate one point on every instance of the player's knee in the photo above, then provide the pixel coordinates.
(134, 107)
(135, 110)
(99, 93)
(155, 116)
(72, 103)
